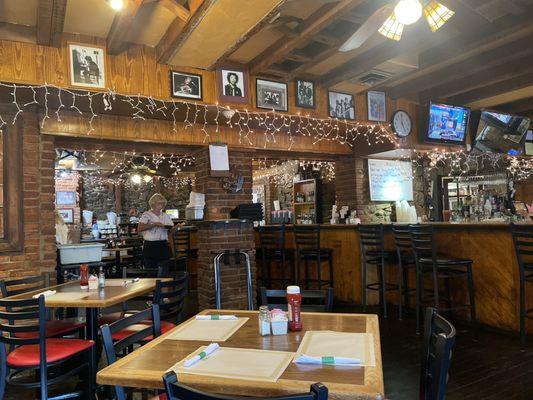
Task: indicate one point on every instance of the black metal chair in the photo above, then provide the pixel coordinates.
(439, 338)
(406, 260)
(121, 336)
(272, 249)
(523, 244)
(178, 391)
(32, 355)
(440, 268)
(54, 327)
(373, 253)
(170, 296)
(312, 300)
(307, 238)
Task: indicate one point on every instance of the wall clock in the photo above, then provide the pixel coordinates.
(402, 124)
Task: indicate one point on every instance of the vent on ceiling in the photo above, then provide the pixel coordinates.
(373, 77)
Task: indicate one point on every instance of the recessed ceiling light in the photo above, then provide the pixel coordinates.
(116, 5)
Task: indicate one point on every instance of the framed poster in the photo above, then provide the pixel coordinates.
(66, 198)
(233, 85)
(87, 66)
(185, 85)
(271, 95)
(341, 105)
(305, 93)
(376, 106)
(67, 214)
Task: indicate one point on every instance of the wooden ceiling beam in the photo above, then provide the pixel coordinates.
(312, 25)
(518, 106)
(121, 26)
(179, 31)
(176, 8)
(515, 83)
(50, 22)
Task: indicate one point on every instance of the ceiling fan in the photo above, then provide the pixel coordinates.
(391, 19)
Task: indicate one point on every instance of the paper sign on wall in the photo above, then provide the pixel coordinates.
(218, 159)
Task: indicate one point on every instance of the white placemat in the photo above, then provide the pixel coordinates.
(233, 363)
(339, 344)
(210, 330)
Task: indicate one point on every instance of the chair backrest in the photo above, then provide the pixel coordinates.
(139, 332)
(402, 237)
(178, 391)
(272, 237)
(170, 297)
(523, 243)
(439, 338)
(307, 237)
(181, 241)
(24, 285)
(423, 241)
(371, 237)
(312, 300)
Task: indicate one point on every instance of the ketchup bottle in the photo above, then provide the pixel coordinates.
(84, 275)
(294, 305)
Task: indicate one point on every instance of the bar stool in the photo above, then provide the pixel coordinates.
(439, 268)
(272, 242)
(406, 260)
(372, 245)
(523, 244)
(307, 238)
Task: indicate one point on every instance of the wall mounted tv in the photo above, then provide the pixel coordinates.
(447, 124)
(501, 133)
(528, 145)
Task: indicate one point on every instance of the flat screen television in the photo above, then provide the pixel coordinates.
(447, 124)
(501, 133)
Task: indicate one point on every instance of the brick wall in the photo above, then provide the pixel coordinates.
(39, 250)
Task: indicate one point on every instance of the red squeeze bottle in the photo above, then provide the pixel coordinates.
(294, 305)
(84, 274)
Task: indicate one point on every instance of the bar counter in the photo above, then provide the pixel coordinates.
(490, 245)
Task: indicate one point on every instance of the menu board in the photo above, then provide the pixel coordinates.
(390, 180)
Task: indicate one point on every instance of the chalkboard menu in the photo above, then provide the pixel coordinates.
(390, 180)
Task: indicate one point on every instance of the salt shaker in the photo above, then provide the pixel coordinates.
(264, 321)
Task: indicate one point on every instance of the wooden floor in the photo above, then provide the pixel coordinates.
(486, 365)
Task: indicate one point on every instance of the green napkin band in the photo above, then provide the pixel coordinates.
(215, 317)
(328, 360)
(202, 355)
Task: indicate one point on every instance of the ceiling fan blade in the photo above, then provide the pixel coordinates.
(365, 31)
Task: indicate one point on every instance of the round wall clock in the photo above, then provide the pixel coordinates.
(402, 124)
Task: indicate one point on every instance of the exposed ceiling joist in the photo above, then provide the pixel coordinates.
(518, 107)
(121, 25)
(176, 8)
(50, 22)
(179, 30)
(314, 24)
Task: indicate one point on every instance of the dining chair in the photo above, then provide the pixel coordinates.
(54, 327)
(33, 355)
(170, 296)
(312, 300)
(439, 338)
(179, 391)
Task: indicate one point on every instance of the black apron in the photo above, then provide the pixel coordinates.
(156, 249)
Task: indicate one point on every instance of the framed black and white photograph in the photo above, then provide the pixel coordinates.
(305, 93)
(341, 105)
(67, 214)
(186, 85)
(66, 198)
(233, 85)
(377, 110)
(271, 95)
(87, 66)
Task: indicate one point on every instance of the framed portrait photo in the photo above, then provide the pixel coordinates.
(66, 198)
(305, 93)
(271, 95)
(185, 85)
(87, 66)
(376, 103)
(67, 214)
(233, 85)
(341, 105)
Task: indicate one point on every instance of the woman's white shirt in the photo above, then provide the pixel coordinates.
(157, 232)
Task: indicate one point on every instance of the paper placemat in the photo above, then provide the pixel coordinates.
(233, 363)
(208, 330)
(67, 296)
(339, 344)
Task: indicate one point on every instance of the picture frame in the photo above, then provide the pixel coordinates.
(304, 93)
(341, 105)
(66, 198)
(376, 106)
(67, 214)
(186, 85)
(87, 66)
(271, 95)
(233, 85)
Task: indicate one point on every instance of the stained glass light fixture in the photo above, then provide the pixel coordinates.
(391, 28)
(437, 14)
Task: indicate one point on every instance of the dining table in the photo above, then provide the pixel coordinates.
(145, 366)
(70, 295)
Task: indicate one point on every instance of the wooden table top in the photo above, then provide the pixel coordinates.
(145, 367)
(109, 296)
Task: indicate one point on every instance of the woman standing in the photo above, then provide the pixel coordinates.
(153, 226)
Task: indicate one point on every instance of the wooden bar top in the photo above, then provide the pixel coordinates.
(438, 225)
(145, 367)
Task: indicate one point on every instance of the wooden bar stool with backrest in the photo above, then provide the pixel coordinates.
(373, 254)
(439, 268)
(179, 391)
(272, 246)
(523, 244)
(312, 300)
(406, 261)
(181, 246)
(307, 238)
